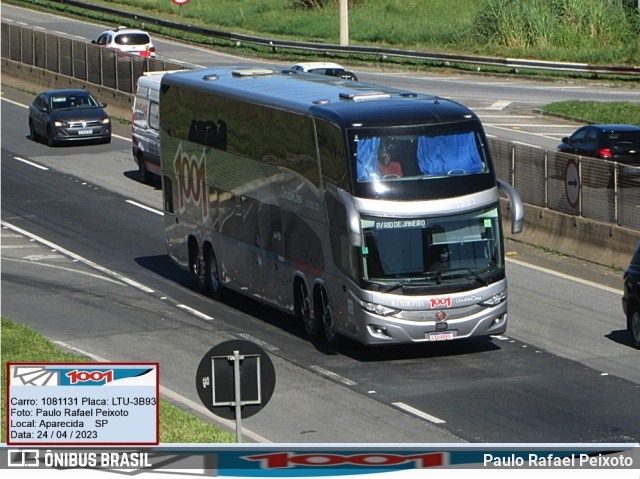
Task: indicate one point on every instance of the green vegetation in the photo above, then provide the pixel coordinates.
(591, 31)
(21, 344)
(597, 112)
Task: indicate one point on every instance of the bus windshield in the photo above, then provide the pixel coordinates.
(431, 251)
(418, 152)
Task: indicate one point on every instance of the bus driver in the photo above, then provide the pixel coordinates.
(387, 166)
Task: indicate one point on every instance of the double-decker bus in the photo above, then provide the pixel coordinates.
(364, 211)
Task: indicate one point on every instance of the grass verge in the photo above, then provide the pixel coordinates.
(596, 112)
(21, 344)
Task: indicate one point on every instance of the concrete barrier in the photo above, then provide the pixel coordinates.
(28, 77)
(600, 243)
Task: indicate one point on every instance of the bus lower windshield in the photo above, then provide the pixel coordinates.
(432, 251)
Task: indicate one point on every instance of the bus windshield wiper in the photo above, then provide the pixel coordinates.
(428, 276)
(393, 287)
(470, 273)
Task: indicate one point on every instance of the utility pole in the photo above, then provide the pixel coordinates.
(344, 22)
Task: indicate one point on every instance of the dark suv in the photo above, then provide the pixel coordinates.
(619, 143)
(631, 297)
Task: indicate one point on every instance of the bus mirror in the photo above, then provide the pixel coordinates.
(353, 219)
(517, 208)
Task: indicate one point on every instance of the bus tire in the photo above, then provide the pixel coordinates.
(302, 305)
(197, 265)
(212, 272)
(326, 315)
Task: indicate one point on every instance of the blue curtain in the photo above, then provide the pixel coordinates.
(367, 158)
(439, 155)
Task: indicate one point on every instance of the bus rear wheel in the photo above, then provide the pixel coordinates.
(212, 274)
(302, 307)
(198, 268)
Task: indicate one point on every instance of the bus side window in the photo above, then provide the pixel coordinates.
(203, 132)
(221, 138)
(209, 133)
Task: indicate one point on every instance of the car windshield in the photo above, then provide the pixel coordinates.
(132, 39)
(61, 102)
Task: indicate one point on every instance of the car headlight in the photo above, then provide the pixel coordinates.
(58, 123)
(105, 121)
(377, 309)
(495, 299)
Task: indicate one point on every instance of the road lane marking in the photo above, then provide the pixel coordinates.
(145, 207)
(37, 262)
(419, 413)
(77, 257)
(498, 105)
(31, 163)
(331, 375)
(195, 312)
(565, 276)
(259, 342)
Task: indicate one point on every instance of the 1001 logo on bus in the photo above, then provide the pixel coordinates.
(191, 175)
(78, 376)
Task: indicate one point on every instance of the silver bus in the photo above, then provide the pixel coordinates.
(364, 211)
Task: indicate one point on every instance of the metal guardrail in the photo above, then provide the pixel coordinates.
(585, 187)
(510, 64)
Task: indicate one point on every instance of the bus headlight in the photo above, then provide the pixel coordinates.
(377, 309)
(496, 299)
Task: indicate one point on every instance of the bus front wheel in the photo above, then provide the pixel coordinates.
(326, 314)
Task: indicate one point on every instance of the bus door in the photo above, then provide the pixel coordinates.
(249, 258)
(274, 269)
(346, 239)
(175, 234)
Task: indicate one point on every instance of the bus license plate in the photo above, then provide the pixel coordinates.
(441, 336)
(85, 132)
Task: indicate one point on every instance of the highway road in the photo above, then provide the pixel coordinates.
(84, 263)
(505, 104)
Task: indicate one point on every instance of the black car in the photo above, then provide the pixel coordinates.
(631, 297)
(68, 115)
(619, 143)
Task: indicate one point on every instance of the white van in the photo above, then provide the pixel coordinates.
(145, 125)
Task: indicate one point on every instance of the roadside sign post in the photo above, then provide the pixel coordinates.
(180, 3)
(572, 183)
(252, 380)
(234, 380)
